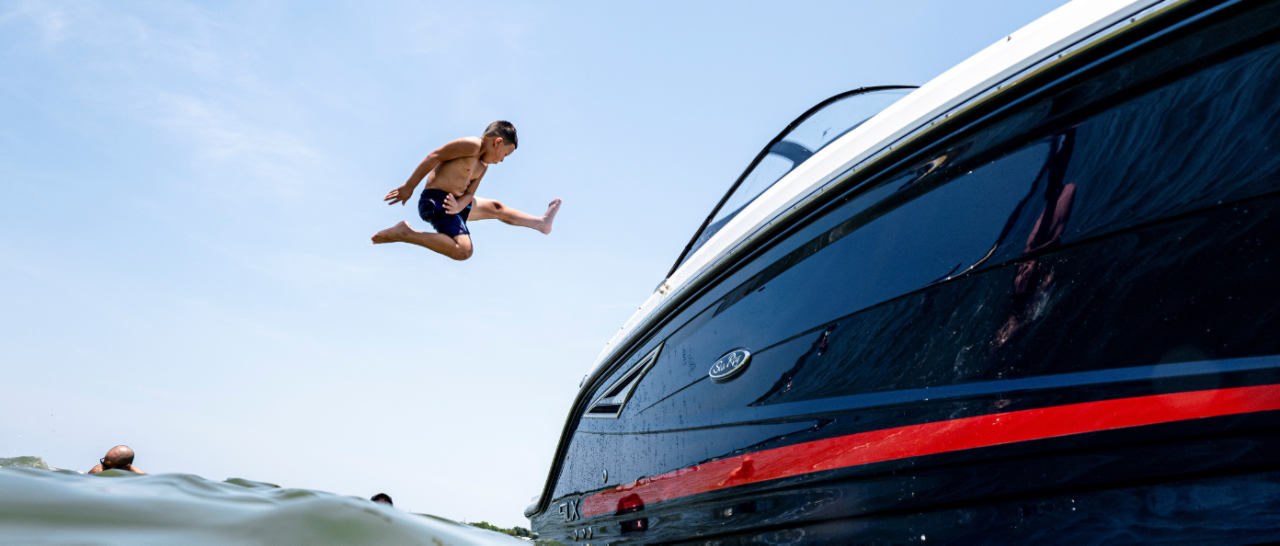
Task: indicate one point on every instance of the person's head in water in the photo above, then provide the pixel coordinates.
(382, 497)
(118, 458)
(498, 141)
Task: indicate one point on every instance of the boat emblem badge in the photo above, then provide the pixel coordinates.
(730, 365)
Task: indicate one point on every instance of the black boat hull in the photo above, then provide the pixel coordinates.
(1056, 319)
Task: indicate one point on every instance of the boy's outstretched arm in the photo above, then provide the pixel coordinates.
(463, 147)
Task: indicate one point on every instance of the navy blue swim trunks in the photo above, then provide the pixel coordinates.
(431, 209)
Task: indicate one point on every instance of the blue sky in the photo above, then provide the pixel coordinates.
(187, 192)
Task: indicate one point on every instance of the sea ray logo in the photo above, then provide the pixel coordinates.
(730, 365)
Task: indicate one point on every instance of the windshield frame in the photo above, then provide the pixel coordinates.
(764, 152)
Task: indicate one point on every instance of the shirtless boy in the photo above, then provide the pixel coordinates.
(449, 201)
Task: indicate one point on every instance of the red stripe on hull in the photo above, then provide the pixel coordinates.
(932, 438)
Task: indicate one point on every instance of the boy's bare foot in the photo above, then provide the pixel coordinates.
(394, 234)
(549, 217)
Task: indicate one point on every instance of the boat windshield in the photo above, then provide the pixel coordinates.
(802, 138)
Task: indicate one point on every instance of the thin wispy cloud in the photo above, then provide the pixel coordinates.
(171, 71)
(49, 20)
(220, 137)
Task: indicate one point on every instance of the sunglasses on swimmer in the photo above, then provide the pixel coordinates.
(106, 466)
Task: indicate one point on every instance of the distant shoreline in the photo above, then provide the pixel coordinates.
(517, 531)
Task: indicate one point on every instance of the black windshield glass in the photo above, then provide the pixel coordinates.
(813, 131)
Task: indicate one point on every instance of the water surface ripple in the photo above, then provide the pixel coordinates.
(114, 507)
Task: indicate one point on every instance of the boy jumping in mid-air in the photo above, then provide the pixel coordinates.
(453, 172)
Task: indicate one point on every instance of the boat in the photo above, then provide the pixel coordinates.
(1034, 299)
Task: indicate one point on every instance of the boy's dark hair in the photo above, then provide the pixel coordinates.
(504, 130)
(382, 497)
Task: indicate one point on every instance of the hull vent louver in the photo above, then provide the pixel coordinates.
(609, 405)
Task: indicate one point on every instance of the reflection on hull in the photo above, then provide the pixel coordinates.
(1234, 509)
(1054, 320)
(931, 439)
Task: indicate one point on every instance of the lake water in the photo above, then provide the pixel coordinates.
(38, 505)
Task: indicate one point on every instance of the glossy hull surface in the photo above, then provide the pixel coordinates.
(1053, 319)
